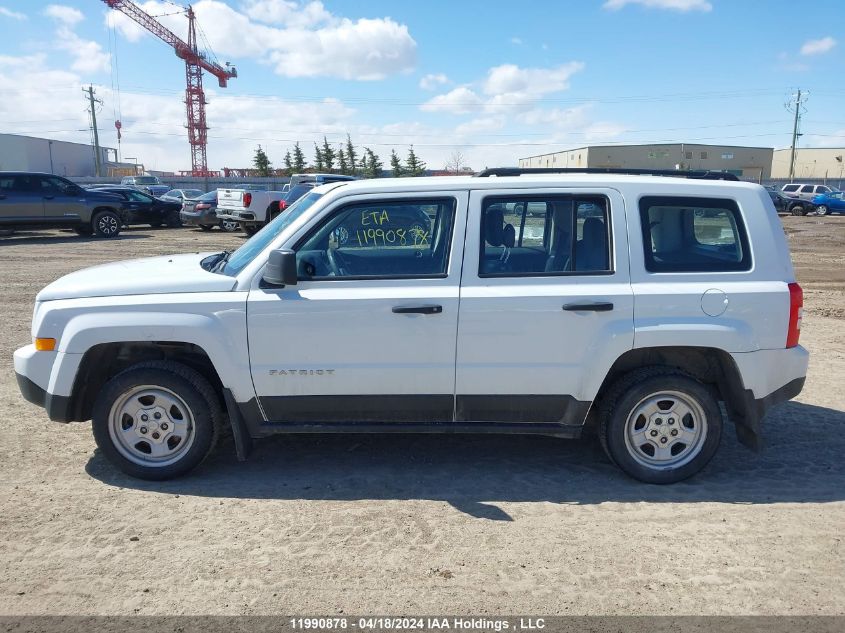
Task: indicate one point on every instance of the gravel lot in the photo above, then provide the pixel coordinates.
(421, 524)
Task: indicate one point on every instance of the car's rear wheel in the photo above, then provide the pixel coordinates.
(660, 425)
(250, 229)
(798, 209)
(206, 227)
(229, 226)
(156, 224)
(106, 224)
(173, 220)
(156, 420)
(822, 209)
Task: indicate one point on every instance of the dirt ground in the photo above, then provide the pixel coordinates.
(411, 524)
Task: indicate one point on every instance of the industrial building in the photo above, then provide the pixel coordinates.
(748, 163)
(29, 153)
(811, 163)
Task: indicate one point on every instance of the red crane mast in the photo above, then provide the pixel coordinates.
(195, 63)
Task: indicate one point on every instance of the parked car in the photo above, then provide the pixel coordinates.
(655, 307)
(833, 202)
(181, 195)
(142, 208)
(783, 203)
(44, 201)
(202, 212)
(150, 184)
(805, 191)
(255, 209)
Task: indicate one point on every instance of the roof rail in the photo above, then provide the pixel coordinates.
(673, 173)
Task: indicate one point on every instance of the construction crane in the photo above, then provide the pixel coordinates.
(195, 63)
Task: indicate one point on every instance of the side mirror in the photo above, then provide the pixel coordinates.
(281, 268)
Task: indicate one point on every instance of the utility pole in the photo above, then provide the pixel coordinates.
(799, 103)
(91, 101)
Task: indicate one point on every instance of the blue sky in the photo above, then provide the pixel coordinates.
(494, 81)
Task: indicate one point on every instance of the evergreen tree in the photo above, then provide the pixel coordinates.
(298, 158)
(318, 158)
(342, 165)
(374, 164)
(413, 165)
(262, 163)
(328, 155)
(396, 164)
(288, 164)
(351, 156)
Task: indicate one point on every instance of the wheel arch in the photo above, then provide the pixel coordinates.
(712, 366)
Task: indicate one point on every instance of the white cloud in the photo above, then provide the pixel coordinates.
(818, 47)
(88, 56)
(431, 81)
(510, 79)
(461, 100)
(674, 5)
(15, 15)
(311, 42)
(516, 40)
(64, 14)
(287, 12)
(481, 125)
(603, 131)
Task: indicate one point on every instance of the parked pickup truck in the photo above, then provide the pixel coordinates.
(253, 208)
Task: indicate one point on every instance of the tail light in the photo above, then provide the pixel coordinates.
(282, 205)
(796, 312)
(202, 205)
(247, 199)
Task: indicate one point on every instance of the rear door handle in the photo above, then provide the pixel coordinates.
(598, 306)
(418, 309)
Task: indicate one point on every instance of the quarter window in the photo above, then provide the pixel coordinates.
(384, 239)
(790, 188)
(693, 235)
(554, 235)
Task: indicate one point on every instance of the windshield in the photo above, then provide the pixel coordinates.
(147, 180)
(208, 197)
(258, 242)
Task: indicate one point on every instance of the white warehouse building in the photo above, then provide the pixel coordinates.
(748, 163)
(29, 153)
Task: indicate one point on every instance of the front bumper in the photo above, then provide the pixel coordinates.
(57, 407)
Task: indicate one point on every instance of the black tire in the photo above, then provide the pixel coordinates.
(627, 394)
(822, 209)
(194, 390)
(250, 229)
(156, 225)
(206, 227)
(106, 224)
(84, 231)
(798, 209)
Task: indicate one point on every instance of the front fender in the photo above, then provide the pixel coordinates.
(215, 322)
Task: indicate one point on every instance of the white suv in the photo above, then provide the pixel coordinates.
(631, 306)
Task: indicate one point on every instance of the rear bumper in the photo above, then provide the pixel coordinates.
(237, 215)
(197, 218)
(771, 377)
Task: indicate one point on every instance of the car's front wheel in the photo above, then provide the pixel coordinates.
(660, 425)
(106, 224)
(822, 209)
(157, 420)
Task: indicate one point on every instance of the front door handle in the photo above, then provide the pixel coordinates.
(417, 309)
(598, 306)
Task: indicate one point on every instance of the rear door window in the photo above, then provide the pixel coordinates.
(546, 235)
(807, 189)
(693, 235)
